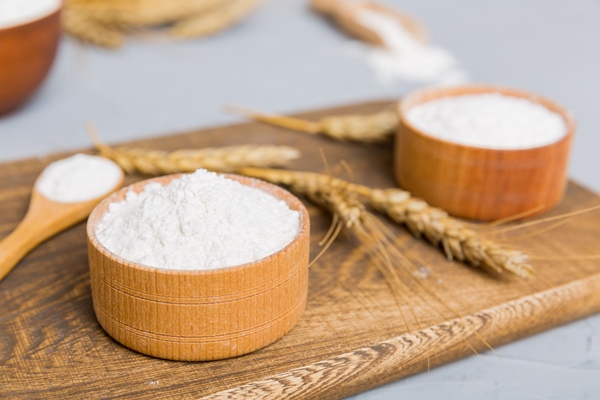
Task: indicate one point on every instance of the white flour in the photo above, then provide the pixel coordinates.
(489, 120)
(79, 178)
(16, 12)
(404, 58)
(200, 221)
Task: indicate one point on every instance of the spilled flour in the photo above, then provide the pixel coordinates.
(404, 58)
(197, 222)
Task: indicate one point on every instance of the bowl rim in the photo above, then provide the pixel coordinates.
(291, 201)
(35, 19)
(436, 93)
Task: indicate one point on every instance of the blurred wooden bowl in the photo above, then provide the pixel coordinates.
(480, 183)
(205, 314)
(27, 52)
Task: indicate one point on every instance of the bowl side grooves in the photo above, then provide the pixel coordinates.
(204, 314)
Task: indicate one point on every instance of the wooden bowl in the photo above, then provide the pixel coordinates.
(206, 314)
(480, 183)
(27, 52)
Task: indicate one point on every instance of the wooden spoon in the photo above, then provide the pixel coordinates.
(44, 219)
(346, 15)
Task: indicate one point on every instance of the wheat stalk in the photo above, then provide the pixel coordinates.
(216, 20)
(219, 159)
(141, 13)
(341, 198)
(458, 241)
(105, 22)
(83, 26)
(349, 212)
(369, 128)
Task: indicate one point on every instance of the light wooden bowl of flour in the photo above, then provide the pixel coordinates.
(483, 152)
(197, 315)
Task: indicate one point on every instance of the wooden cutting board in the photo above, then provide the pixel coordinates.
(352, 336)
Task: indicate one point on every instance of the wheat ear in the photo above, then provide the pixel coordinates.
(457, 241)
(83, 26)
(213, 21)
(349, 212)
(105, 22)
(141, 13)
(369, 128)
(219, 159)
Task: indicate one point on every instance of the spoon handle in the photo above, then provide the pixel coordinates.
(39, 225)
(16, 245)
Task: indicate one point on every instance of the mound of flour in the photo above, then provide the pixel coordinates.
(199, 221)
(79, 178)
(489, 120)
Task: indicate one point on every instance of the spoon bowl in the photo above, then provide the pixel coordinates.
(45, 218)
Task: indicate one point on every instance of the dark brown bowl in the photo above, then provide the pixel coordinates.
(27, 51)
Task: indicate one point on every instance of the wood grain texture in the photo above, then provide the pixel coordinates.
(26, 54)
(205, 314)
(351, 336)
(479, 183)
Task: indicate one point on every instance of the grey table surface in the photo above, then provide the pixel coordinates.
(283, 58)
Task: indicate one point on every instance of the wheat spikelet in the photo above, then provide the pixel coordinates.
(457, 241)
(219, 159)
(141, 13)
(373, 128)
(222, 159)
(105, 22)
(216, 20)
(83, 26)
(334, 195)
(341, 198)
(368, 128)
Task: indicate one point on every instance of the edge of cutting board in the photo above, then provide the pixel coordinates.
(407, 354)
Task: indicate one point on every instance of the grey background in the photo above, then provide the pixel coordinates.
(283, 58)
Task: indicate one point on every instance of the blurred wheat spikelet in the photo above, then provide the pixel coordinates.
(367, 128)
(107, 22)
